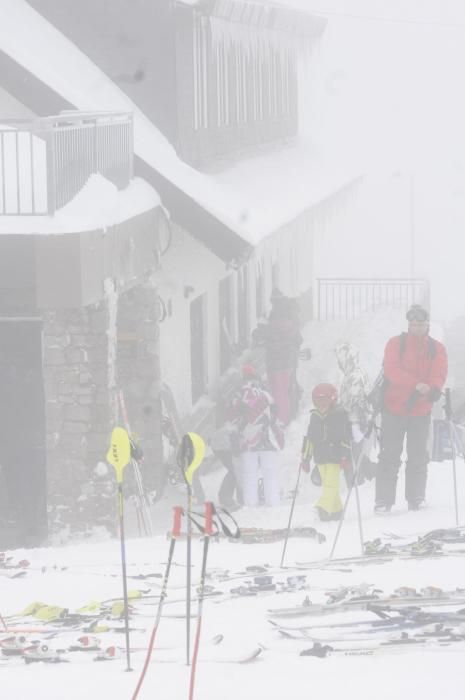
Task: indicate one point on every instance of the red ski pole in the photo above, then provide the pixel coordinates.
(178, 513)
(208, 532)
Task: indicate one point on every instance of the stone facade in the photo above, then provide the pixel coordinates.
(138, 373)
(86, 362)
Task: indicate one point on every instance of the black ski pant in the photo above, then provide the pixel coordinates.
(229, 485)
(394, 429)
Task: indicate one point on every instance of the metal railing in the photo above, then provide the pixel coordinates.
(44, 163)
(346, 299)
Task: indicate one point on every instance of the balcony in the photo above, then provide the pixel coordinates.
(44, 163)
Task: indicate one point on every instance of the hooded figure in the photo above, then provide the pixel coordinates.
(354, 390)
(355, 385)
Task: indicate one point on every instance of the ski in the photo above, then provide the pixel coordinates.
(370, 602)
(378, 557)
(255, 535)
(5, 573)
(360, 633)
(401, 645)
(407, 618)
(224, 656)
(453, 535)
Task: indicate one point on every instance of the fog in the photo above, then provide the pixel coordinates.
(386, 95)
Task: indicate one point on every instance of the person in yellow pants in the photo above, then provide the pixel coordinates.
(330, 501)
(328, 442)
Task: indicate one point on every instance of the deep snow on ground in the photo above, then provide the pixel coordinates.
(93, 568)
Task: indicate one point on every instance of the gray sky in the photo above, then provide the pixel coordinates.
(389, 98)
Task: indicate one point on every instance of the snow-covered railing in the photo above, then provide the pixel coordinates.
(45, 162)
(346, 299)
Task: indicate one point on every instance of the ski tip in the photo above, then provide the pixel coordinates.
(253, 655)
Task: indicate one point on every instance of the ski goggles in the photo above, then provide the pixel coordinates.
(418, 314)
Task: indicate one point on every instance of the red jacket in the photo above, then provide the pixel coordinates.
(413, 366)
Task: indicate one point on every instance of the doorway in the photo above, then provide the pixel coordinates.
(23, 482)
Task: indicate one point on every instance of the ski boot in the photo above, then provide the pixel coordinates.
(109, 654)
(382, 509)
(86, 643)
(41, 652)
(319, 650)
(376, 547)
(15, 646)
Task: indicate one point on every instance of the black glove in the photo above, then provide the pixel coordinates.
(434, 394)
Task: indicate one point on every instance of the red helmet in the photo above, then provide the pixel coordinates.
(248, 370)
(324, 391)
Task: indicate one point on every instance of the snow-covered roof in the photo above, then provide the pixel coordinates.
(280, 15)
(97, 206)
(253, 198)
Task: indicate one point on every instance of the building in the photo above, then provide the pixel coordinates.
(211, 90)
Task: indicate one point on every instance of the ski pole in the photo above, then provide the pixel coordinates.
(208, 532)
(143, 515)
(448, 412)
(353, 485)
(188, 572)
(290, 515)
(119, 455)
(175, 531)
(359, 515)
(190, 456)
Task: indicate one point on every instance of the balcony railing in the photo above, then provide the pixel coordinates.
(44, 163)
(347, 299)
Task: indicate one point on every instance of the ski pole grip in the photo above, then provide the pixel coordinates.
(178, 513)
(208, 518)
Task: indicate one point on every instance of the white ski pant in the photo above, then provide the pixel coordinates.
(250, 466)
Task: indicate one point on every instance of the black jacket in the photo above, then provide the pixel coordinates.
(281, 339)
(328, 436)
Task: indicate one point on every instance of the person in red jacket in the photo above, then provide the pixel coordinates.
(415, 369)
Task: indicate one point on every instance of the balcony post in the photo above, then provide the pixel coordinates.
(51, 172)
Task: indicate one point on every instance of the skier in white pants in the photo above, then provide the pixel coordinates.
(260, 439)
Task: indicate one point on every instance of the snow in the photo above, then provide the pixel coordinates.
(92, 573)
(35, 44)
(98, 205)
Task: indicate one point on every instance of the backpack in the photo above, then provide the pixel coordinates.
(376, 396)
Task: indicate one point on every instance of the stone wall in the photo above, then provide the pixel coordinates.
(82, 374)
(78, 410)
(138, 375)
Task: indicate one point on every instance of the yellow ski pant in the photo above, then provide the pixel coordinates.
(330, 500)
